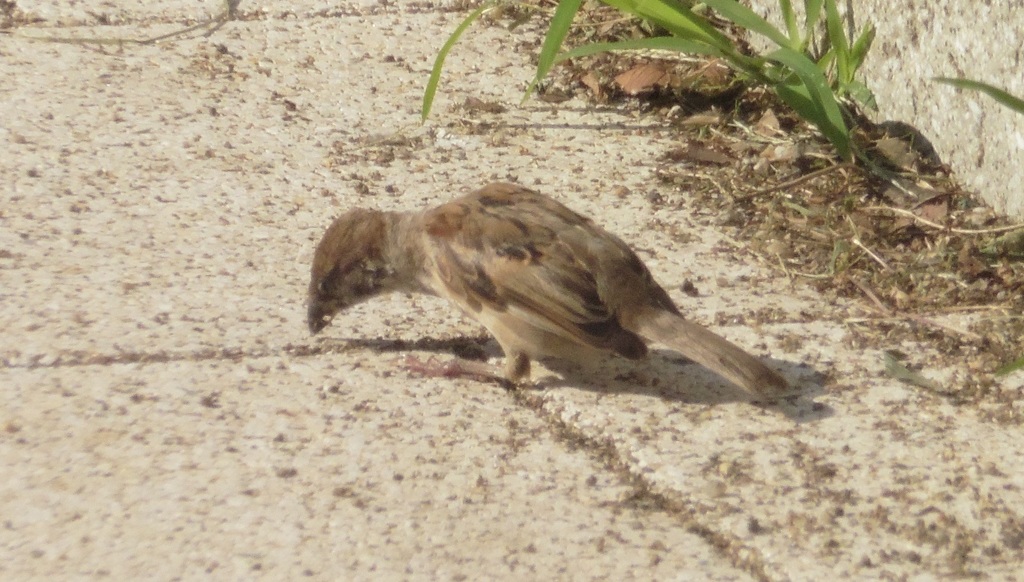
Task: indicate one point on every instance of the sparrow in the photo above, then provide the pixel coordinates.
(544, 280)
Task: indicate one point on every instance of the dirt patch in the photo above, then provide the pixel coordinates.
(894, 231)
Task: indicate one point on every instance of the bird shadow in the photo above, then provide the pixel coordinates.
(669, 376)
(664, 374)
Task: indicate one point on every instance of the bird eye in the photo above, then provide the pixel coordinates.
(328, 282)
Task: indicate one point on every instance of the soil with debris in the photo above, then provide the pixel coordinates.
(903, 238)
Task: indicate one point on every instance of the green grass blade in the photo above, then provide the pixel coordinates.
(665, 43)
(748, 65)
(826, 61)
(812, 14)
(837, 39)
(796, 96)
(747, 19)
(557, 31)
(789, 17)
(677, 19)
(823, 109)
(862, 94)
(860, 48)
(1012, 366)
(996, 93)
(435, 73)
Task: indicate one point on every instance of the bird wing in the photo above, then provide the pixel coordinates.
(509, 249)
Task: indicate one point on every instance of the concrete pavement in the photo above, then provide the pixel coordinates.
(167, 416)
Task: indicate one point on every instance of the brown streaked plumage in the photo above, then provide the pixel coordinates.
(544, 280)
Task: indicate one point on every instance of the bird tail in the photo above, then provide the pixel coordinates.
(711, 351)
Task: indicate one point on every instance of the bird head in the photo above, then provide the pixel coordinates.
(349, 266)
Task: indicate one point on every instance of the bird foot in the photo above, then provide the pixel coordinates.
(454, 368)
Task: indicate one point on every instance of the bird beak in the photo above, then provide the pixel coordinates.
(316, 317)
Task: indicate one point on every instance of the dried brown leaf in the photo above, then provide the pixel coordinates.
(592, 82)
(897, 152)
(768, 125)
(934, 209)
(699, 154)
(641, 79)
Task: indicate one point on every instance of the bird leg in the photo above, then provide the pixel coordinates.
(454, 368)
